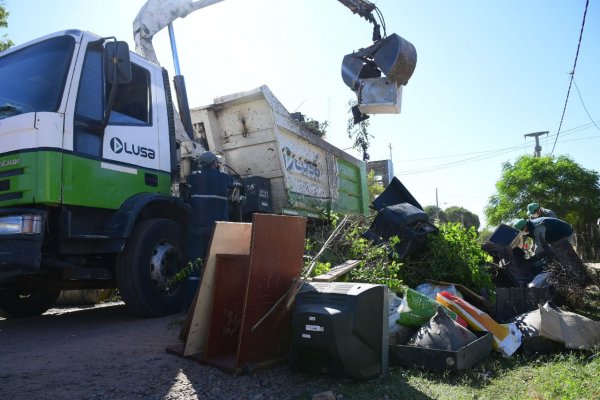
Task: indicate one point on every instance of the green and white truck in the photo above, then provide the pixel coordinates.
(85, 177)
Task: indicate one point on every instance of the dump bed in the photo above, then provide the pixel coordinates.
(257, 137)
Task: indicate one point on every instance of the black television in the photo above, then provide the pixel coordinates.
(341, 329)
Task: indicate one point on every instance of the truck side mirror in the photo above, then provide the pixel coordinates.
(117, 63)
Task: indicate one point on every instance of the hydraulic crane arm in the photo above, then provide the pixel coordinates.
(155, 15)
(362, 70)
(365, 9)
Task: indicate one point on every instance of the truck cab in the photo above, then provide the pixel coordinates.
(88, 157)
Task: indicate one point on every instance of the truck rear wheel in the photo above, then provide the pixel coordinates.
(146, 267)
(26, 301)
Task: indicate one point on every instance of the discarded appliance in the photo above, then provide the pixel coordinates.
(404, 220)
(515, 269)
(502, 236)
(394, 193)
(341, 329)
(399, 214)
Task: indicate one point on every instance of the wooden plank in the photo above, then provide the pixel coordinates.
(228, 306)
(336, 271)
(228, 238)
(275, 262)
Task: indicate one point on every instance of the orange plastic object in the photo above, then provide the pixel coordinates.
(507, 338)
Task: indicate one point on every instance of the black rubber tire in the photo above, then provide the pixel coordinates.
(140, 284)
(26, 301)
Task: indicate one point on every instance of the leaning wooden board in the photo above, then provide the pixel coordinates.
(228, 238)
(276, 260)
(336, 271)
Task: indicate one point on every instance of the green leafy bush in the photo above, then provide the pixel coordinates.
(453, 255)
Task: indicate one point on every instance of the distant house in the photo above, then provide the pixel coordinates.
(383, 169)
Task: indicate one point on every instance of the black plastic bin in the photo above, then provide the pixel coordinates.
(442, 360)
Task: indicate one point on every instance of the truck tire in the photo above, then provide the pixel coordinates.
(152, 256)
(27, 301)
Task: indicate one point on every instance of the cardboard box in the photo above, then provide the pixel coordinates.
(442, 360)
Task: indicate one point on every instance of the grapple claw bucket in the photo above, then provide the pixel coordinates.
(362, 71)
(396, 58)
(393, 56)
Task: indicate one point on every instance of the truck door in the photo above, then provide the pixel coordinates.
(113, 163)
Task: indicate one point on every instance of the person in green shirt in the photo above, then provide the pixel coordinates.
(536, 211)
(545, 230)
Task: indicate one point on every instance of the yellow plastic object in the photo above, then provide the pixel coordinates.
(507, 338)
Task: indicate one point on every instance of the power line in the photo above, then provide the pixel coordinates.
(460, 162)
(453, 155)
(481, 157)
(580, 139)
(583, 104)
(545, 141)
(587, 2)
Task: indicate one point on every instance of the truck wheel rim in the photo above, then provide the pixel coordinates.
(163, 263)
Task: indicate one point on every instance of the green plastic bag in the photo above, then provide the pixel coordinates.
(416, 309)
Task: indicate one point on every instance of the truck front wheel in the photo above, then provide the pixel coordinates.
(26, 300)
(145, 269)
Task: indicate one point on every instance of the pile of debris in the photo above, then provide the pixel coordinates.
(445, 326)
(255, 308)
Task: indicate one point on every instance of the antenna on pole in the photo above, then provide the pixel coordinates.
(537, 152)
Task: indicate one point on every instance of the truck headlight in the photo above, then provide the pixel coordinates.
(28, 223)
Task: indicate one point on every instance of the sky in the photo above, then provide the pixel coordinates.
(487, 73)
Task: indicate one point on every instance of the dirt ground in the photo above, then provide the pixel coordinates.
(103, 352)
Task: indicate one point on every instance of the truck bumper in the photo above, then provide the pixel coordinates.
(21, 251)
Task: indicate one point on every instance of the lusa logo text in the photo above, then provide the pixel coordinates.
(118, 146)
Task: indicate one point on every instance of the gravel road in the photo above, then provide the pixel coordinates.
(103, 352)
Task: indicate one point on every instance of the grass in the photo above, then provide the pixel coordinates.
(569, 375)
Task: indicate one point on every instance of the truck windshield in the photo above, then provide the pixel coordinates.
(32, 79)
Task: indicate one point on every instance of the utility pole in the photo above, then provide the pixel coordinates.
(537, 152)
(390, 146)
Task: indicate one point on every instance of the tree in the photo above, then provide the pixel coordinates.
(436, 214)
(5, 43)
(359, 132)
(452, 214)
(557, 183)
(462, 216)
(375, 187)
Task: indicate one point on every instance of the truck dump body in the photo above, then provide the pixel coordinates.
(257, 137)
